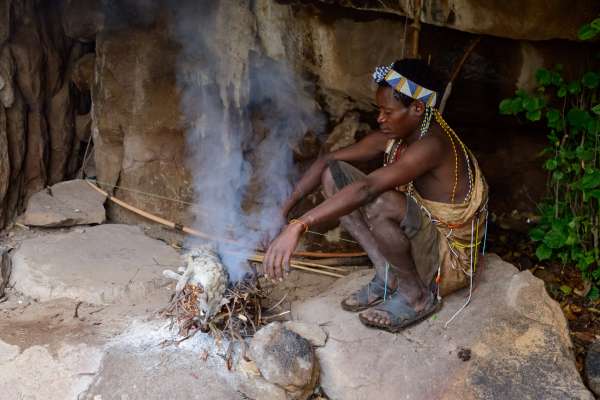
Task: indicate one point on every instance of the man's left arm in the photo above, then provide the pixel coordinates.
(415, 161)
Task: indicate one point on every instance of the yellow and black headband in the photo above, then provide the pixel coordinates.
(402, 84)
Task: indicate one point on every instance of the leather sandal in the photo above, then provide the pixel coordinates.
(374, 288)
(401, 314)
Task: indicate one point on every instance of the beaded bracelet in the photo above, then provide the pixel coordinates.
(297, 221)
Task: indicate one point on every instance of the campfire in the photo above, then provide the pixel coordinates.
(206, 300)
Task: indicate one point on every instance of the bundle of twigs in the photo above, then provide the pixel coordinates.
(239, 317)
(302, 265)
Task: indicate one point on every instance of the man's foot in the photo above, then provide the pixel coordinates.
(397, 313)
(368, 296)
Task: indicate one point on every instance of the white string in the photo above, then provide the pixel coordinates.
(387, 267)
(470, 280)
(85, 157)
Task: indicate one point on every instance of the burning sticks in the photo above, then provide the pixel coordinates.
(239, 317)
(205, 299)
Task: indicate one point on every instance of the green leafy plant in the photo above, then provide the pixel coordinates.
(569, 227)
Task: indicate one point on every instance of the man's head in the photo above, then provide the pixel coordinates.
(400, 114)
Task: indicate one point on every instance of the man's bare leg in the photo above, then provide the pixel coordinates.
(355, 224)
(378, 229)
(384, 216)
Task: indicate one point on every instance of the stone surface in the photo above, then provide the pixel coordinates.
(4, 166)
(30, 73)
(345, 133)
(535, 20)
(67, 203)
(83, 72)
(4, 21)
(284, 358)
(138, 136)
(517, 335)
(82, 19)
(5, 268)
(592, 367)
(39, 373)
(137, 367)
(102, 264)
(311, 332)
(133, 373)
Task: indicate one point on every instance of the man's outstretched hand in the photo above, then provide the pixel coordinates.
(280, 252)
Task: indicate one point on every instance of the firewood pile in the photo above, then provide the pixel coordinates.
(240, 315)
(205, 299)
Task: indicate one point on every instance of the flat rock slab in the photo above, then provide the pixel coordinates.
(102, 264)
(144, 363)
(513, 337)
(67, 203)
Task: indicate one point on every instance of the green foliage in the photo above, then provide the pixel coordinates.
(569, 227)
(589, 31)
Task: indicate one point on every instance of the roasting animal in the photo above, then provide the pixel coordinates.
(204, 270)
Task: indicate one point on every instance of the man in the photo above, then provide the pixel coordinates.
(420, 217)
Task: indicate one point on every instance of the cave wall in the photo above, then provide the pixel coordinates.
(70, 69)
(514, 19)
(38, 139)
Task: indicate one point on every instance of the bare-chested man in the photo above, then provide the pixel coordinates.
(419, 217)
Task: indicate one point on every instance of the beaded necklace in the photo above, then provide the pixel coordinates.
(452, 135)
(396, 146)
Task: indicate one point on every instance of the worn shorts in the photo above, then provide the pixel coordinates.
(422, 234)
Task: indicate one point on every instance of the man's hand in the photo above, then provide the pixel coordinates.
(280, 251)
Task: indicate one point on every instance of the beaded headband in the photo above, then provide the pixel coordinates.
(402, 84)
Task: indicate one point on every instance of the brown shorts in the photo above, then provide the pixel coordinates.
(417, 226)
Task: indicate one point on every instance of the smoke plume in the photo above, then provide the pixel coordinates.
(244, 112)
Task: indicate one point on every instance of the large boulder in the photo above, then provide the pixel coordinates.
(137, 126)
(65, 204)
(101, 264)
(511, 342)
(592, 367)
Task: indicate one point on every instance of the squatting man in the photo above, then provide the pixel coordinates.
(419, 217)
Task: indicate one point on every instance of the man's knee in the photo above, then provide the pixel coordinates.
(328, 182)
(388, 205)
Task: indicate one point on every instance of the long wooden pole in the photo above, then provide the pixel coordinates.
(196, 233)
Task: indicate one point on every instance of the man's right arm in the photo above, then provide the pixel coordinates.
(367, 149)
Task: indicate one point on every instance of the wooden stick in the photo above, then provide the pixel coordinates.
(203, 235)
(329, 255)
(455, 72)
(294, 265)
(316, 271)
(315, 265)
(346, 261)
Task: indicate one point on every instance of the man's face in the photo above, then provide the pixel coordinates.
(395, 119)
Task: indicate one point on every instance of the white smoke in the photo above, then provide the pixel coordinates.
(241, 174)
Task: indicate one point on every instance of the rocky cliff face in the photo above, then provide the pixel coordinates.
(72, 70)
(38, 145)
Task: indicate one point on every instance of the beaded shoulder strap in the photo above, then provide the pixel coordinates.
(391, 151)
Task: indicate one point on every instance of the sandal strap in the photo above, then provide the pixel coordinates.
(399, 310)
(375, 287)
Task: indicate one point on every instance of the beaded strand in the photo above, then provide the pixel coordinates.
(449, 131)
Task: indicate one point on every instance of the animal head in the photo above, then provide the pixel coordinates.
(209, 305)
(203, 251)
